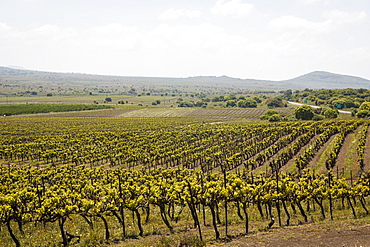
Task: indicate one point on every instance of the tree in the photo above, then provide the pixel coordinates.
(258, 100)
(247, 103)
(330, 113)
(274, 118)
(304, 112)
(318, 117)
(363, 113)
(231, 103)
(268, 114)
(186, 104)
(200, 104)
(288, 93)
(365, 106)
(275, 102)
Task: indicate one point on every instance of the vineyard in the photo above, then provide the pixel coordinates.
(89, 181)
(17, 109)
(207, 113)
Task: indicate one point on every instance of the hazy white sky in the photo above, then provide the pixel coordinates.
(259, 39)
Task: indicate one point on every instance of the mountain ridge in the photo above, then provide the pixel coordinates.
(312, 80)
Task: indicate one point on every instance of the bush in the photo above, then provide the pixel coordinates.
(186, 104)
(330, 113)
(363, 113)
(365, 106)
(268, 114)
(275, 102)
(230, 103)
(317, 117)
(274, 118)
(247, 103)
(304, 112)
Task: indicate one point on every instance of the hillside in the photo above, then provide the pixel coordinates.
(314, 80)
(322, 79)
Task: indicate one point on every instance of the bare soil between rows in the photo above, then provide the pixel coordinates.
(316, 234)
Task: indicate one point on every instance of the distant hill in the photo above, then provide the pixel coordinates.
(322, 79)
(313, 80)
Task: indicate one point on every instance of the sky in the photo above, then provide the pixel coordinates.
(248, 39)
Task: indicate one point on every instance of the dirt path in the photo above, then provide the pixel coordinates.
(313, 164)
(290, 165)
(327, 234)
(347, 158)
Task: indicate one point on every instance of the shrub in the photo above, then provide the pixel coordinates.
(247, 103)
(365, 106)
(274, 118)
(275, 102)
(268, 114)
(304, 112)
(317, 117)
(230, 103)
(330, 113)
(363, 113)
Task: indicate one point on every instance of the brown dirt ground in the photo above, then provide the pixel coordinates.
(348, 149)
(343, 232)
(315, 234)
(318, 155)
(301, 151)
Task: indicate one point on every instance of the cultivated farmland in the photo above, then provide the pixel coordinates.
(91, 181)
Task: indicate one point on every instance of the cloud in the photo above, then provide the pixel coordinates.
(183, 38)
(4, 27)
(315, 1)
(32, 1)
(173, 14)
(287, 43)
(232, 8)
(332, 19)
(112, 36)
(341, 17)
(292, 23)
(310, 1)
